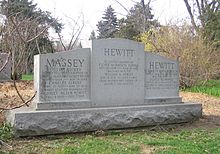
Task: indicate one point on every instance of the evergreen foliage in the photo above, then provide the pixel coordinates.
(108, 26)
(139, 20)
(92, 35)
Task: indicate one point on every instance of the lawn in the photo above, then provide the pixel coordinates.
(27, 77)
(123, 142)
(211, 87)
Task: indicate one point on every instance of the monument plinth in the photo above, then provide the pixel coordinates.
(114, 85)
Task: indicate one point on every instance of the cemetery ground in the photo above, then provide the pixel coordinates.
(202, 136)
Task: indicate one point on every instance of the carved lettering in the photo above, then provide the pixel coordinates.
(119, 52)
(62, 62)
(161, 75)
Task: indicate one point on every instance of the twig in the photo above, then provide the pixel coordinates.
(38, 48)
(19, 106)
(5, 62)
(122, 6)
(78, 36)
(39, 34)
(16, 88)
(2, 143)
(61, 41)
(16, 28)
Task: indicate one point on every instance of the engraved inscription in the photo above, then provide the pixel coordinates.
(65, 79)
(118, 52)
(118, 72)
(161, 75)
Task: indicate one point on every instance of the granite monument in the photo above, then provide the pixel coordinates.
(113, 85)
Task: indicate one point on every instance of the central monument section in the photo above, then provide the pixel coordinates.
(117, 73)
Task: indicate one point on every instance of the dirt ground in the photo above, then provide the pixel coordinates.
(211, 105)
(9, 97)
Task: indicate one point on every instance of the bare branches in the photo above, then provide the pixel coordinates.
(6, 62)
(191, 14)
(23, 34)
(27, 22)
(61, 41)
(204, 8)
(122, 6)
(76, 30)
(16, 28)
(25, 103)
(38, 48)
(42, 31)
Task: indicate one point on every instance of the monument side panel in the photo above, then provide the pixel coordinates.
(36, 76)
(161, 77)
(64, 77)
(117, 77)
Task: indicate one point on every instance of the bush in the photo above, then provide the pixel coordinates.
(5, 132)
(199, 60)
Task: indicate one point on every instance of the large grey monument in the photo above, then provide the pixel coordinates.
(113, 85)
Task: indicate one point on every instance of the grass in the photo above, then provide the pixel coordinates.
(5, 132)
(121, 142)
(27, 77)
(211, 87)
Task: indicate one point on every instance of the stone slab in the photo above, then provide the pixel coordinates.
(5, 74)
(157, 101)
(161, 77)
(62, 78)
(117, 77)
(33, 123)
(63, 105)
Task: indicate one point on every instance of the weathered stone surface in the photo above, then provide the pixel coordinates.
(63, 105)
(117, 74)
(161, 78)
(34, 123)
(5, 74)
(162, 100)
(62, 79)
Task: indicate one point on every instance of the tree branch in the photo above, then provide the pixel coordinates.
(38, 48)
(122, 6)
(77, 36)
(38, 34)
(61, 41)
(200, 13)
(191, 15)
(7, 60)
(16, 28)
(26, 103)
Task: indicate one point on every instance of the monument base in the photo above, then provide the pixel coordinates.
(33, 123)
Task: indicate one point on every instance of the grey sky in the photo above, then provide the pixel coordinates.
(92, 10)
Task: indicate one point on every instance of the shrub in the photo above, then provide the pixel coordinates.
(199, 60)
(5, 132)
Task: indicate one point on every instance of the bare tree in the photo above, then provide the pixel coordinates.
(76, 27)
(17, 37)
(203, 10)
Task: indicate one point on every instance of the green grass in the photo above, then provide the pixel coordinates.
(211, 87)
(27, 77)
(186, 141)
(5, 132)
